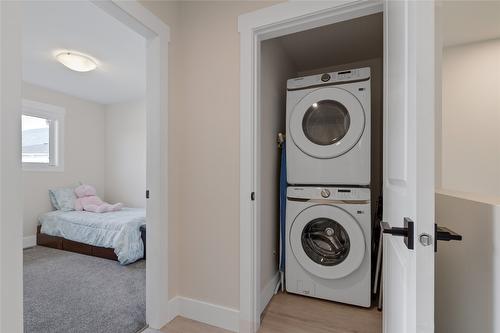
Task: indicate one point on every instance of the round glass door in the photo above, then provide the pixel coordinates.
(325, 242)
(327, 122)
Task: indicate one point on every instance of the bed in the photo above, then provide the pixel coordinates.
(119, 235)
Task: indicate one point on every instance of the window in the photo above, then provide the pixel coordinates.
(42, 137)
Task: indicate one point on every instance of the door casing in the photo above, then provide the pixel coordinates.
(157, 35)
(255, 27)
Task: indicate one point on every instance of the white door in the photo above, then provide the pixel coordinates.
(408, 274)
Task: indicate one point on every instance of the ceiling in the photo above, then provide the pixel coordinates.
(339, 43)
(54, 26)
(470, 21)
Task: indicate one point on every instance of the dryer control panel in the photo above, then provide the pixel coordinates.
(357, 74)
(328, 193)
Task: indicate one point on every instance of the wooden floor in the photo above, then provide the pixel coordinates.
(289, 313)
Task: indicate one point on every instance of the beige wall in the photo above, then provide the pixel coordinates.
(125, 153)
(83, 153)
(471, 118)
(204, 147)
(209, 240)
(276, 68)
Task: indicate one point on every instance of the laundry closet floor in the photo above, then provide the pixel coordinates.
(297, 314)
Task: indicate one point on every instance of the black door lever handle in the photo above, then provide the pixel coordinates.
(407, 231)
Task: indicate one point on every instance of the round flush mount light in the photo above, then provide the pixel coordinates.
(76, 61)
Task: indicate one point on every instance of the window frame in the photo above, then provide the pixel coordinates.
(56, 115)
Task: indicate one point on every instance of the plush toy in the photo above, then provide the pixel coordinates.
(89, 201)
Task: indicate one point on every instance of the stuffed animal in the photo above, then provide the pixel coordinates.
(88, 200)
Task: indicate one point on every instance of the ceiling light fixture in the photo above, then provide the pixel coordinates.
(77, 62)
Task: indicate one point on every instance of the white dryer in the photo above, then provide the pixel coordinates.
(328, 126)
(328, 250)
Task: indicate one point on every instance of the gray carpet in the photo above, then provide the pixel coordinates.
(69, 292)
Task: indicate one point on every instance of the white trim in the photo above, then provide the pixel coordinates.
(138, 18)
(150, 330)
(157, 35)
(208, 313)
(254, 27)
(29, 241)
(268, 292)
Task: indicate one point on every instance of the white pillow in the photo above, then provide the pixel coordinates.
(63, 198)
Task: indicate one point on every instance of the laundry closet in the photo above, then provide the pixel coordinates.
(322, 89)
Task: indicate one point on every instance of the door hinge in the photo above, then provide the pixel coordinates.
(147, 194)
(252, 196)
(408, 232)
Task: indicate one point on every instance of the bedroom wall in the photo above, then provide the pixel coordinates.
(125, 153)
(471, 118)
(83, 153)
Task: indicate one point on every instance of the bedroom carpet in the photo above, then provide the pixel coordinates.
(69, 292)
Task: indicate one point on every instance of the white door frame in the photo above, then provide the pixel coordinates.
(254, 27)
(157, 34)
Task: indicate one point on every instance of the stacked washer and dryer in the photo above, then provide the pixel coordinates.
(328, 212)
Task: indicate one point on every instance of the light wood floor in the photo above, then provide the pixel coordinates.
(289, 313)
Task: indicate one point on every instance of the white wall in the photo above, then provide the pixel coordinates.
(468, 272)
(11, 270)
(471, 118)
(125, 150)
(276, 68)
(83, 153)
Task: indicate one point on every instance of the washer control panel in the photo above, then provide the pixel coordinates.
(329, 193)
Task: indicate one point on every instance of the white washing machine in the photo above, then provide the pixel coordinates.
(328, 126)
(328, 250)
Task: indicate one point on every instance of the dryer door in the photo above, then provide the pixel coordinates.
(327, 241)
(327, 122)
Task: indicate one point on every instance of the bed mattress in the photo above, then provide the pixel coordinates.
(118, 230)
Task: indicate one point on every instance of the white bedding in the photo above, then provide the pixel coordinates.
(118, 230)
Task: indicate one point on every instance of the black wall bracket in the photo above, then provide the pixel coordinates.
(444, 234)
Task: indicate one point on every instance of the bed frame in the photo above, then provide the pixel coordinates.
(61, 243)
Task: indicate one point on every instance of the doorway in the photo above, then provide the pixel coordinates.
(407, 166)
(321, 88)
(156, 33)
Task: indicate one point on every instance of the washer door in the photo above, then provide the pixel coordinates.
(327, 122)
(327, 241)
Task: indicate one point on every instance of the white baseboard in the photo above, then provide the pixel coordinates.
(268, 292)
(29, 241)
(204, 312)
